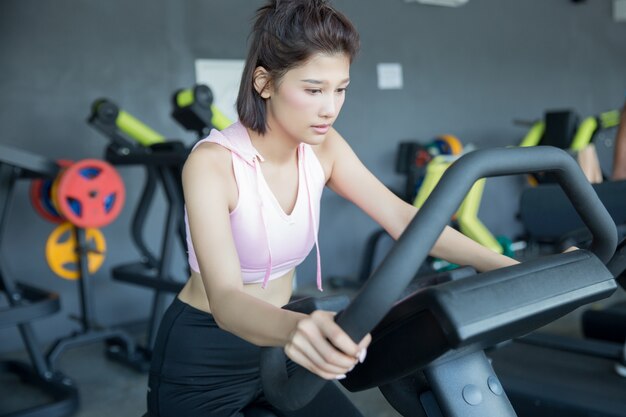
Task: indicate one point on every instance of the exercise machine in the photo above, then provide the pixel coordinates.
(427, 351)
(132, 143)
(194, 110)
(27, 303)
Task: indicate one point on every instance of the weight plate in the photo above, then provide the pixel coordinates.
(41, 199)
(62, 253)
(90, 194)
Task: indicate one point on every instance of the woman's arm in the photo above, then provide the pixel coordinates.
(457, 248)
(307, 338)
(352, 180)
(205, 184)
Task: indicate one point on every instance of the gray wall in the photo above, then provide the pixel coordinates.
(467, 71)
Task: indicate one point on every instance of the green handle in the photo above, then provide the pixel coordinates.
(137, 130)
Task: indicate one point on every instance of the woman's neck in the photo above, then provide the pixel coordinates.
(275, 146)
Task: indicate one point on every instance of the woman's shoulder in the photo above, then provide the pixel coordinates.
(208, 158)
(208, 167)
(209, 152)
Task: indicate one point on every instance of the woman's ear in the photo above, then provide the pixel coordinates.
(262, 82)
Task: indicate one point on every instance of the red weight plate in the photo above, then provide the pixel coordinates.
(41, 199)
(38, 188)
(90, 194)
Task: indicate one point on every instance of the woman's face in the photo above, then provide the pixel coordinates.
(307, 99)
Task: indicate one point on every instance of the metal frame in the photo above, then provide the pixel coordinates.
(27, 303)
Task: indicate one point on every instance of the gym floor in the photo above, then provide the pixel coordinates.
(105, 386)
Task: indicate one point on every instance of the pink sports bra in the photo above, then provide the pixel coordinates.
(269, 242)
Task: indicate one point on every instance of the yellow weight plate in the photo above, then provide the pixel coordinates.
(61, 251)
(456, 147)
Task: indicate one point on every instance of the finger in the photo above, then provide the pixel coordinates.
(335, 334)
(365, 342)
(310, 330)
(305, 347)
(298, 357)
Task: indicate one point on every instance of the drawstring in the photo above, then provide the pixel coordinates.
(308, 189)
(259, 174)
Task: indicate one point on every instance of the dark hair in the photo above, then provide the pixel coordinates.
(285, 34)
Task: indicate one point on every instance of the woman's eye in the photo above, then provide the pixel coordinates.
(313, 90)
(341, 90)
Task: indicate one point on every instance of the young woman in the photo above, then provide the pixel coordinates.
(252, 195)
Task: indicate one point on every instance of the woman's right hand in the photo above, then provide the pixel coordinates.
(318, 344)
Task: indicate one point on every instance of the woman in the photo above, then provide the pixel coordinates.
(252, 195)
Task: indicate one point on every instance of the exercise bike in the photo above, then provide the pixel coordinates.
(427, 350)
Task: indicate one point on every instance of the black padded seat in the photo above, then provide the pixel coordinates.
(139, 273)
(170, 153)
(35, 303)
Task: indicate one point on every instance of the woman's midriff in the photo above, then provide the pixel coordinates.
(277, 292)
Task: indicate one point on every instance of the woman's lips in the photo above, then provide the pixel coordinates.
(320, 129)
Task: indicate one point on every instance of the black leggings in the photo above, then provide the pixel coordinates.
(200, 370)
